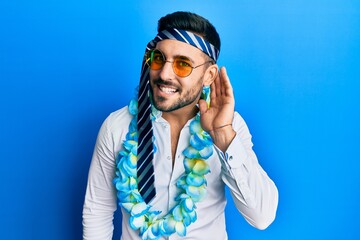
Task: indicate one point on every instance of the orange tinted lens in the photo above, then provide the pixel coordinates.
(182, 67)
(156, 60)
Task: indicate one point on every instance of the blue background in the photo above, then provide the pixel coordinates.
(65, 65)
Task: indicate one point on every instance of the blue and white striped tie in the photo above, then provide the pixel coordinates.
(145, 168)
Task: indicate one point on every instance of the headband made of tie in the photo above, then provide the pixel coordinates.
(145, 152)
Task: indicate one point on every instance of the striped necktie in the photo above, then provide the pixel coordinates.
(145, 168)
(145, 152)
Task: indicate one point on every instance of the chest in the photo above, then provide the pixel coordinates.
(169, 167)
(174, 139)
(169, 157)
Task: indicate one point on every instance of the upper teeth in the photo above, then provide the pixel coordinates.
(168, 90)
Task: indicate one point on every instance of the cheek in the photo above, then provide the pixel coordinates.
(196, 81)
(152, 78)
(153, 75)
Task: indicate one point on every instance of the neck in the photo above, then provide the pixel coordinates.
(180, 116)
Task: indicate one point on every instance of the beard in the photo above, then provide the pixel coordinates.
(186, 98)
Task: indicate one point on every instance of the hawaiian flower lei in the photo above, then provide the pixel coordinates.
(192, 182)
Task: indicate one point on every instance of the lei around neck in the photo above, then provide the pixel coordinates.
(192, 183)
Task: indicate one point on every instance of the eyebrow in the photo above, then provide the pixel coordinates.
(184, 58)
(178, 56)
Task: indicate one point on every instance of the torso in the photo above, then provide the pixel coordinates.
(175, 134)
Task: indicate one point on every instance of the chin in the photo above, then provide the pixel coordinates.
(164, 107)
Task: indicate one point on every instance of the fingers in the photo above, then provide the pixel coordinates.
(221, 86)
(203, 106)
(216, 88)
(226, 87)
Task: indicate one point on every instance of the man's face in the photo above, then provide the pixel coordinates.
(171, 92)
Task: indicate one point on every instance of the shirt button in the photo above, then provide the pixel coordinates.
(168, 158)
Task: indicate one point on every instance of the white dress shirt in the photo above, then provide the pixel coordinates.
(254, 193)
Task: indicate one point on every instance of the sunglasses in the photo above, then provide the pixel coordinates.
(181, 65)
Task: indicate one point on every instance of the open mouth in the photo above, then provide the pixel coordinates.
(167, 89)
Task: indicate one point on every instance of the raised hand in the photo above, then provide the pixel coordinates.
(217, 119)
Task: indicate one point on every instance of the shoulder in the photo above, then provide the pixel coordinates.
(118, 120)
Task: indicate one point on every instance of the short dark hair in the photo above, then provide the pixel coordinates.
(191, 22)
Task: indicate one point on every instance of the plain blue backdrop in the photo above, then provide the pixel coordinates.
(295, 67)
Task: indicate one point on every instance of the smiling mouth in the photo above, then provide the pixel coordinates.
(167, 89)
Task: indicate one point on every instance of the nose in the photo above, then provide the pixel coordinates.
(167, 72)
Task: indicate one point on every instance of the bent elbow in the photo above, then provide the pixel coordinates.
(265, 220)
(265, 215)
(264, 223)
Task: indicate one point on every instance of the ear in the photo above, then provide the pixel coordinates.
(211, 74)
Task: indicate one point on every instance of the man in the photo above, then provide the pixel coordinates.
(167, 157)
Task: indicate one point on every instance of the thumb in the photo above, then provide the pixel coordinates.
(203, 106)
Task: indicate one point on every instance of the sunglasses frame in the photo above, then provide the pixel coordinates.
(173, 63)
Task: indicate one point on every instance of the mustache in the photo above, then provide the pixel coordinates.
(160, 81)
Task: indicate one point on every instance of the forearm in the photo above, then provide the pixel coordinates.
(254, 193)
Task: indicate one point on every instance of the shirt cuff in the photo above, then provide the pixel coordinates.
(236, 155)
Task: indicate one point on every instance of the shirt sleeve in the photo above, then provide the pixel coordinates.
(100, 198)
(254, 193)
